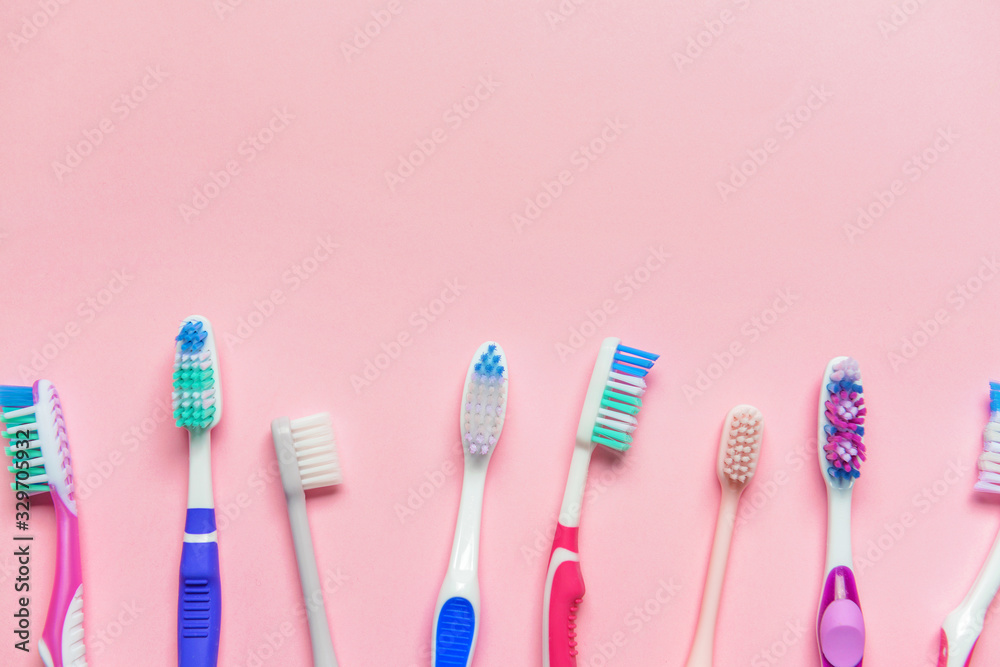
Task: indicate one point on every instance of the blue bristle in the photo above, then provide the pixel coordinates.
(489, 363)
(192, 336)
(629, 370)
(635, 361)
(843, 385)
(637, 352)
(838, 473)
(861, 431)
(16, 397)
(994, 396)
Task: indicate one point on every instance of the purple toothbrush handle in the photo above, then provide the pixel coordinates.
(199, 608)
(840, 626)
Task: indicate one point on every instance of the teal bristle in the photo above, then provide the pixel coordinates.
(16, 413)
(620, 402)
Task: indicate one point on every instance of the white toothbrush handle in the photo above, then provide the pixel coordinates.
(312, 590)
(961, 628)
(456, 615)
(704, 637)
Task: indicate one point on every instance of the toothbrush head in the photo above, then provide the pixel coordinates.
(739, 448)
(989, 460)
(33, 424)
(484, 401)
(613, 396)
(841, 423)
(197, 396)
(307, 452)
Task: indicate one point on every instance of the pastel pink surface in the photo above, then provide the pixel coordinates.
(251, 142)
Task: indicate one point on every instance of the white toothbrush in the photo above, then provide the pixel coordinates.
(840, 625)
(307, 457)
(961, 629)
(484, 406)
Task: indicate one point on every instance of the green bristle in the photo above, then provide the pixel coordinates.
(623, 398)
(32, 436)
(193, 379)
(617, 405)
(613, 444)
(32, 453)
(12, 450)
(194, 417)
(611, 433)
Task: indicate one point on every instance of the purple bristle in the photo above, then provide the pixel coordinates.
(845, 412)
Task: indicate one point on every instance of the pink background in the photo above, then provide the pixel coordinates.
(887, 92)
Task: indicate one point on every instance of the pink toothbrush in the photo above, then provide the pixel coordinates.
(33, 424)
(608, 418)
(739, 451)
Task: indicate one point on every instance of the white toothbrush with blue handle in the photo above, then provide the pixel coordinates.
(197, 403)
(484, 406)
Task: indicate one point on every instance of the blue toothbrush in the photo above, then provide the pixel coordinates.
(197, 402)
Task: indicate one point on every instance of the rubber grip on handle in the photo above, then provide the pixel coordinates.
(62, 637)
(199, 608)
(456, 628)
(565, 595)
(840, 625)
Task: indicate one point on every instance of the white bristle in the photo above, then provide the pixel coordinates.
(484, 401)
(629, 379)
(20, 429)
(20, 412)
(618, 421)
(987, 487)
(740, 444)
(616, 425)
(316, 451)
(989, 460)
(621, 416)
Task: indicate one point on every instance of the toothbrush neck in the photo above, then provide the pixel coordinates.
(465, 548)
(576, 485)
(200, 471)
(838, 529)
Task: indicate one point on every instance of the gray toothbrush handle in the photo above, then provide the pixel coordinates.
(312, 590)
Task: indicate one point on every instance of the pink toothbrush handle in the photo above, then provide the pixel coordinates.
(565, 589)
(62, 637)
(943, 657)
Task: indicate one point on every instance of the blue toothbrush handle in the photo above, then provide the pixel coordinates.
(455, 632)
(199, 607)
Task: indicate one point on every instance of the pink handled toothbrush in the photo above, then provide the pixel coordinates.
(36, 432)
(608, 418)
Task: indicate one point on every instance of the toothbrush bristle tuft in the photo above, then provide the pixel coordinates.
(620, 402)
(989, 460)
(316, 451)
(21, 420)
(845, 417)
(194, 395)
(484, 402)
(741, 444)
(20, 431)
